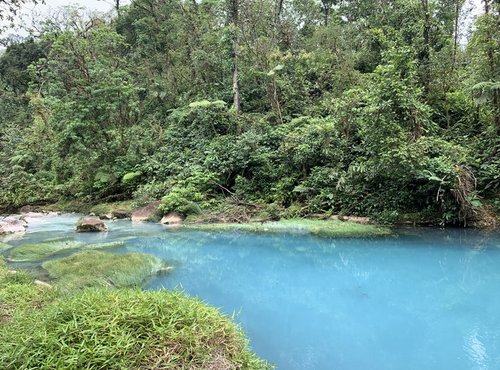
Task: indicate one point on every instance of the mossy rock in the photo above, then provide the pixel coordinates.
(103, 269)
(39, 251)
(322, 228)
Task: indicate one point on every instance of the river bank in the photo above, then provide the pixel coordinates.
(45, 327)
(234, 213)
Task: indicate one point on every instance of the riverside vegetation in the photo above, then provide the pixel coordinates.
(258, 108)
(47, 327)
(233, 111)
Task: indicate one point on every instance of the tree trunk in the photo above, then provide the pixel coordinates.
(326, 11)
(279, 10)
(493, 67)
(233, 22)
(425, 51)
(236, 84)
(455, 36)
(486, 6)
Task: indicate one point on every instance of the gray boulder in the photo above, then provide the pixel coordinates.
(90, 224)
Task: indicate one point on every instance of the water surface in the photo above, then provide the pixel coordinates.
(426, 299)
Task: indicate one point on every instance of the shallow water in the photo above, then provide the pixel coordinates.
(426, 299)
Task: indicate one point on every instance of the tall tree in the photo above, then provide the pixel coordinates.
(234, 27)
(424, 54)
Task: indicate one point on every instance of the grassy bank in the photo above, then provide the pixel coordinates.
(114, 329)
(323, 228)
(19, 295)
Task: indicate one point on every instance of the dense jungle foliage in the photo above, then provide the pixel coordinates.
(374, 108)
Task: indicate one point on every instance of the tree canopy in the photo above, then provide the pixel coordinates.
(357, 107)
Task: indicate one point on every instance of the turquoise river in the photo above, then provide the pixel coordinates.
(423, 299)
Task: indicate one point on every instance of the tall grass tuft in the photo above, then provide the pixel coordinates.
(125, 329)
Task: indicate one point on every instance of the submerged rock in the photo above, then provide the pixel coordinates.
(13, 224)
(146, 213)
(172, 218)
(91, 225)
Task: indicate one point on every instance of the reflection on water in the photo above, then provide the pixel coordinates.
(427, 299)
(476, 350)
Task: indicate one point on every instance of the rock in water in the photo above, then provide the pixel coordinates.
(12, 224)
(91, 224)
(172, 218)
(146, 213)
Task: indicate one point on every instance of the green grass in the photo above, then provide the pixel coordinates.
(38, 251)
(19, 296)
(102, 269)
(323, 228)
(114, 329)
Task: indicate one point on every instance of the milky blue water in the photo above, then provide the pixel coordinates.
(426, 299)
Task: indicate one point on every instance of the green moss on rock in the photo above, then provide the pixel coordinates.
(39, 251)
(102, 269)
(323, 228)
